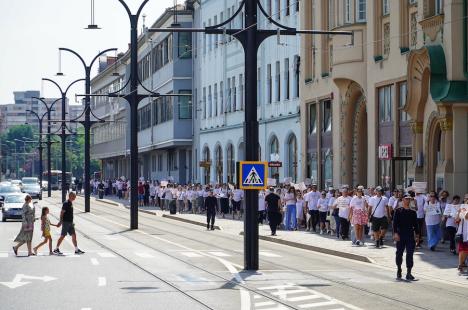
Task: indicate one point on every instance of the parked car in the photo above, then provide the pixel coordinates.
(34, 190)
(29, 180)
(13, 206)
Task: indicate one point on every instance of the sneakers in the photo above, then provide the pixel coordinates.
(398, 274)
(78, 252)
(377, 244)
(358, 242)
(321, 232)
(410, 277)
(57, 252)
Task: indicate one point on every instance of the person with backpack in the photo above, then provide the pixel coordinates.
(379, 216)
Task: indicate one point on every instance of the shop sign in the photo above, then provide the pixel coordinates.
(385, 151)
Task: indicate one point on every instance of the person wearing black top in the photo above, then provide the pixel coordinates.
(147, 193)
(68, 227)
(405, 226)
(273, 203)
(210, 207)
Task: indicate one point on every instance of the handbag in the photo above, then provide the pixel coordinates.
(28, 227)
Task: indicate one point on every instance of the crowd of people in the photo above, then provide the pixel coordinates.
(361, 215)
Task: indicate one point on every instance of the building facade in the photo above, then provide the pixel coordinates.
(218, 94)
(165, 123)
(389, 106)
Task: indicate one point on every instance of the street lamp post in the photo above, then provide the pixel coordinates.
(63, 134)
(49, 109)
(87, 122)
(251, 39)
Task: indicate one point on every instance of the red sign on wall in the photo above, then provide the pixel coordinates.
(385, 151)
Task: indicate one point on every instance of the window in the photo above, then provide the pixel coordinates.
(215, 36)
(153, 163)
(286, 79)
(347, 12)
(439, 7)
(185, 45)
(219, 164)
(160, 162)
(205, 108)
(288, 4)
(313, 119)
(269, 84)
(274, 149)
(185, 105)
(229, 96)
(385, 103)
(297, 65)
(215, 94)
(331, 14)
(234, 95)
(327, 169)
(278, 9)
(360, 10)
(404, 117)
(278, 82)
(221, 97)
(414, 30)
(171, 160)
(241, 92)
(327, 116)
(385, 7)
(195, 100)
(204, 39)
(210, 103)
(210, 38)
(144, 117)
(231, 164)
(292, 158)
(259, 85)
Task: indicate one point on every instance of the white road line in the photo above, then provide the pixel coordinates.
(264, 303)
(276, 287)
(317, 304)
(3, 255)
(277, 308)
(287, 292)
(257, 296)
(102, 281)
(86, 309)
(302, 298)
(106, 255)
(94, 261)
(219, 254)
(268, 254)
(71, 256)
(144, 255)
(191, 254)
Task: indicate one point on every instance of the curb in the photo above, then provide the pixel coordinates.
(107, 201)
(360, 258)
(172, 217)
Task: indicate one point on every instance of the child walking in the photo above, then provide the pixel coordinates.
(45, 227)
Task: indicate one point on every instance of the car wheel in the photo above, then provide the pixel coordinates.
(3, 219)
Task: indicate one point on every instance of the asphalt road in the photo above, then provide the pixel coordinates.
(168, 264)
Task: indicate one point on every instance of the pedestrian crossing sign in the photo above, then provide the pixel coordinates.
(253, 175)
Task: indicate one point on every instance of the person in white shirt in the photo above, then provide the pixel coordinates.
(420, 200)
(299, 208)
(433, 214)
(153, 193)
(379, 215)
(290, 201)
(311, 199)
(451, 225)
(236, 198)
(223, 195)
(334, 218)
(261, 207)
(322, 205)
(462, 218)
(358, 215)
(181, 199)
(342, 204)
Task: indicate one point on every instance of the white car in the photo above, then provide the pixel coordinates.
(13, 206)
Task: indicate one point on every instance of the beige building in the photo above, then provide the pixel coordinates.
(391, 105)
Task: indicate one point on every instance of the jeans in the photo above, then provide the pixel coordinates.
(291, 215)
(338, 225)
(433, 235)
(451, 232)
(344, 228)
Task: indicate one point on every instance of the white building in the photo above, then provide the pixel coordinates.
(218, 94)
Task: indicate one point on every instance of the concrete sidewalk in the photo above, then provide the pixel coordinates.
(439, 265)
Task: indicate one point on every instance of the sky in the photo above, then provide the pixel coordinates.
(31, 31)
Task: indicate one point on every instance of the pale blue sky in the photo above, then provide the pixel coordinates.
(31, 31)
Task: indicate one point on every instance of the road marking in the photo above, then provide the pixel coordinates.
(72, 255)
(287, 292)
(302, 298)
(144, 255)
(17, 280)
(276, 287)
(219, 254)
(102, 281)
(257, 296)
(268, 254)
(106, 255)
(86, 309)
(94, 261)
(191, 254)
(3, 255)
(317, 304)
(264, 303)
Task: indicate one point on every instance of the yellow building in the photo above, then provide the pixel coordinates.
(389, 106)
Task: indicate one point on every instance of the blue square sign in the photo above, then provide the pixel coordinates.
(253, 174)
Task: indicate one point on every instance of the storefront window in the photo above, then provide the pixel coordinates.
(404, 117)
(327, 116)
(313, 119)
(385, 104)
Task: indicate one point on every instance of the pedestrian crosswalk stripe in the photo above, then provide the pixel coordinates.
(219, 254)
(264, 303)
(94, 261)
(276, 287)
(318, 304)
(3, 255)
(72, 255)
(287, 292)
(302, 298)
(102, 281)
(191, 254)
(144, 255)
(106, 255)
(268, 254)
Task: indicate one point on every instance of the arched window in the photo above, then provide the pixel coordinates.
(207, 165)
(274, 152)
(231, 168)
(219, 164)
(292, 158)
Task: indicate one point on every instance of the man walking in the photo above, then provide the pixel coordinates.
(405, 225)
(210, 206)
(68, 227)
(273, 206)
(379, 216)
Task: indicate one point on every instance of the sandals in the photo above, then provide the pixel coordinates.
(15, 250)
(461, 268)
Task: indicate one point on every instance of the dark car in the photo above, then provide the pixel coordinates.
(34, 190)
(13, 206)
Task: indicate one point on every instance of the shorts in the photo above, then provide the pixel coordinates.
(323, 216)
(46, 234)
(379, 223)
(68, 228)
(236, 205)
(141, 197)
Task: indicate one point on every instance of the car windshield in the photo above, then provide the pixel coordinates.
(9, 189)
(14, 199)
(31, 187)
(29, 181)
